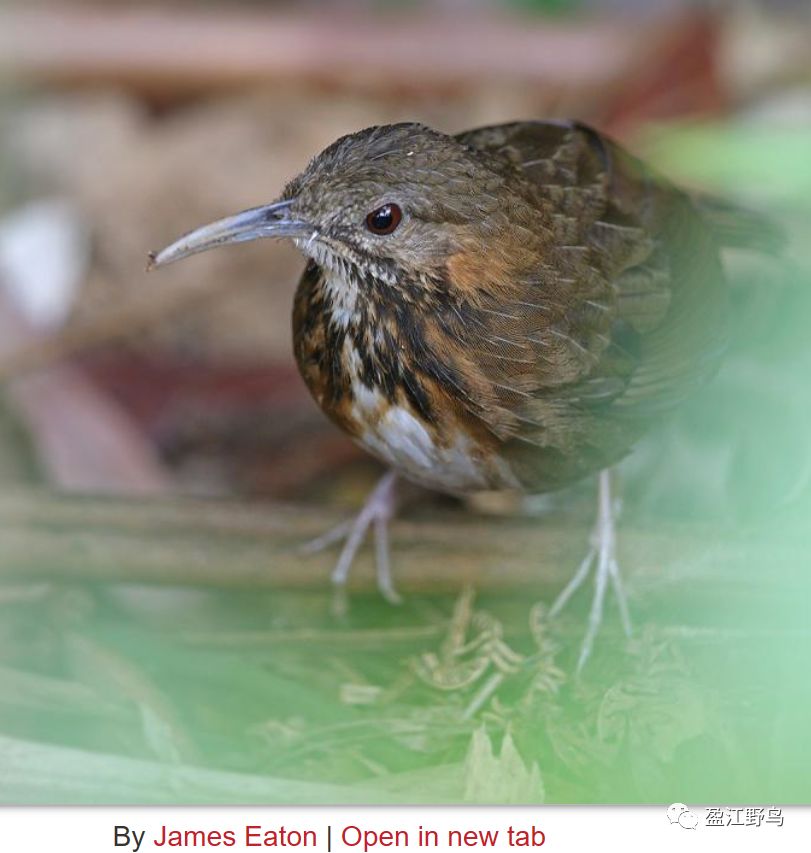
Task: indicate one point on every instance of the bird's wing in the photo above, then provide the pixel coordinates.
(639, 318)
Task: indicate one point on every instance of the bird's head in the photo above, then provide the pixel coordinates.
(392, 203)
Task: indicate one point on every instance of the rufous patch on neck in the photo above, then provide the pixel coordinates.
(495, 270)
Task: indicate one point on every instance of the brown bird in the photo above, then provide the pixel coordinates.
(508, 308)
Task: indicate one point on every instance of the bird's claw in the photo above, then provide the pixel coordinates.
(602, 553)
(376, 513)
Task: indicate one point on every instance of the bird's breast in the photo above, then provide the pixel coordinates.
(433, 453)
(375, 394)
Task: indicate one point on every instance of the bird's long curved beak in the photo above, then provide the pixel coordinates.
(269, 220)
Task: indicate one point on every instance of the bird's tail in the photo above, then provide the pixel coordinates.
(740, 228)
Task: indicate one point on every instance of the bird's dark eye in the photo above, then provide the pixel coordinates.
(385, 219)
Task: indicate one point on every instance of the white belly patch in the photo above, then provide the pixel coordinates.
(403, 442)
(395, 436)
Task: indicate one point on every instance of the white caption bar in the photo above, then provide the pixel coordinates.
(360, 829)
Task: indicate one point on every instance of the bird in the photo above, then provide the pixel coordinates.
(509, 308)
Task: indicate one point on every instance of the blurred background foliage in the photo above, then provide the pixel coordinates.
(161, 640)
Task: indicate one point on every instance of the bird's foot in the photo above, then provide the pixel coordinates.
(376, 513)
(602, 554)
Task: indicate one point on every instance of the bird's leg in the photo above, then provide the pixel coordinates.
(602, 552)
(376, 513)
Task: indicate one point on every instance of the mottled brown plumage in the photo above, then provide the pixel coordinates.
(509, 308)
(577, 300)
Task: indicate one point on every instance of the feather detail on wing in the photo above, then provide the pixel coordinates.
(647, 322)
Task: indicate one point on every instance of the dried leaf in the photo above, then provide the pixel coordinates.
(505, 779)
